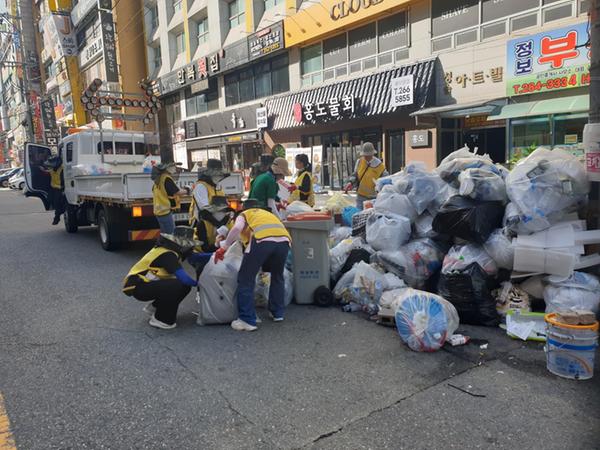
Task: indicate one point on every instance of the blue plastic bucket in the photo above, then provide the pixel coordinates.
(570, 349)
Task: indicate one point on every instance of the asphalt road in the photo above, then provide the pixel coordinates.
(81, 368)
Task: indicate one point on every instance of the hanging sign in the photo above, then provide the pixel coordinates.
(323, 110)
(402, 91)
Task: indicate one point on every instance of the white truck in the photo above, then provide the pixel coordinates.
(105, 184)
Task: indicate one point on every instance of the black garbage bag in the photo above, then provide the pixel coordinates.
(470, 291)
(468, 219)
(356, 255)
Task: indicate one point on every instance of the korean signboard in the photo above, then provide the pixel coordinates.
(548, 61)
(419, 139)
(47, 111)
(109, 47)
(262, 119)
(266, 41)
(59, 37)
(324, 110)
(90, 52)
(402, 89)
(190, 74)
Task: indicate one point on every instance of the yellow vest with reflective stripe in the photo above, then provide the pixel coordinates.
(55, 178)
(310, 201)
(263, 224)
(366, 178)
(161, 200)
(211, 231)
(144, 267)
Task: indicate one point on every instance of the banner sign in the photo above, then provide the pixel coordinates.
(109, 47)
(402, 91)
(548, 61)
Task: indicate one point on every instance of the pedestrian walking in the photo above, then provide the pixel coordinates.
(367, 170)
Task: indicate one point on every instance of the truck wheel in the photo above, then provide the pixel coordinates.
(70, 217)
(109, 230)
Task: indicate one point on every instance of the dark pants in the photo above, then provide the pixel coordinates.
(58, 201)
(166, 295)
(271, 257)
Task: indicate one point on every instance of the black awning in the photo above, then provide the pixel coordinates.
(373, 92)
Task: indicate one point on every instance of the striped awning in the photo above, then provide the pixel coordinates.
(372, 92)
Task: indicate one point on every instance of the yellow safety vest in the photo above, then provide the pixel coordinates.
(311, 194)
(263, 224)
(161, 200)
(144, 266)
(366, 178)
(55, 178)
(211, 231)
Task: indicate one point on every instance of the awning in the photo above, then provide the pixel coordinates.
(462, 109)
(372, 92)
(573, 104)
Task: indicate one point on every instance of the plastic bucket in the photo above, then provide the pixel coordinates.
(570, 349)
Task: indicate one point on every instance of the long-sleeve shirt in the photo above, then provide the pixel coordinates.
(238, 227)
(201, 198)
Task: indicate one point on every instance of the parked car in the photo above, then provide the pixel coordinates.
(5, 176)
(17, 181)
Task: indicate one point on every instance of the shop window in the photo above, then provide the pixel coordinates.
(237, 13)
(204, 101)
(530, 133)
(466, 37)
(568, 130)
(246, 85)
(335, 51)
(177, 6)
(262, 80)
(311, 59)
(560, 12)
(392, 32)
(232, 95)
(362, 42)
(518, 23)
(494, 29)
(180, 43)
(441, 44)
(280, 75)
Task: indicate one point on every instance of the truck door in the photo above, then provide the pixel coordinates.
(38, 181)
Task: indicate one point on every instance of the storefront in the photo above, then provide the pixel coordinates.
(338, 118)
(231, 136)
(548, 85)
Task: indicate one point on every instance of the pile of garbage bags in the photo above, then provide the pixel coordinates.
(449, 236)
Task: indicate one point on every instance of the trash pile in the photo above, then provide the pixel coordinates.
(469, 241)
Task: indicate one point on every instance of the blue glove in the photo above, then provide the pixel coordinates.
(185, 278)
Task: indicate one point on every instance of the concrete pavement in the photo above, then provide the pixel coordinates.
(81, 368)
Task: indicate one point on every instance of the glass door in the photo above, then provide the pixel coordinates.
(396, 151)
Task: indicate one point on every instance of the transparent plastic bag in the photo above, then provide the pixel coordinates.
(482, 185)
(389, 201)
(546, 186)
(338, 235)
(263, 284)
(500, 248)
(339, 254)
(462, 159)
(297, 207)
(424, 320)
(461, 256)
(419, 185)
(387, 231)
(579, 291)
(414, 263)
(363, 284)
(422, 228)
(389, 299)
(338, 202)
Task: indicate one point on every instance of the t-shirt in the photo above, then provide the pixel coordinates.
(264, 188)
(171, 189)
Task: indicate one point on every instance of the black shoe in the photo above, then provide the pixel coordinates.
(55, 221)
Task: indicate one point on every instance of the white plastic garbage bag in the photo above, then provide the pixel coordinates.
(338, 234)
(387, 231)
(579, 291)
(419, 185)
(482, 185)
(500, 248)
(545, 187)
(263, 284)
(462, 256)
(339, 254)
(363, 284)
(422, 228)
(297, 207)
(217, 286)
(389, 201)
(424, 320)
(462, 159)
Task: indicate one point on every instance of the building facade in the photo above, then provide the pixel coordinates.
(418, 78)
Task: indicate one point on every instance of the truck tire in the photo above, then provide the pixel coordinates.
(109, 229)
(70, 218)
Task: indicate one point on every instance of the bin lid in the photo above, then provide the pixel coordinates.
(309, 216)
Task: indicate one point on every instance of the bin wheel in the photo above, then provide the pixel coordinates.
(323, 296)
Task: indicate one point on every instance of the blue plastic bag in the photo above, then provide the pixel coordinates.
(347, 214)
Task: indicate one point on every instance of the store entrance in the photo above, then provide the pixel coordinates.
(490, 140)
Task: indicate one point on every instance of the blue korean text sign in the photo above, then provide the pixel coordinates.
(552, 60)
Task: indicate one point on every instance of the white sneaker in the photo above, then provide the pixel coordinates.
(275, 319)
(240, 325)
(149, 309)
(158, 324)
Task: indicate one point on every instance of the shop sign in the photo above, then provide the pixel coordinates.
(199, 86)
(109, 46)
(180, 154)
(262, 120)
(198, 70)
(419, 139)
(323, 110)
(571, 139)
(64, 89)
(59, 38)
(191, 129)
(493, 75)
(266, 41)
(51, 137)
(347, 7)
(402, 91)
(81, 9)
(90, 52)
(481, 122)
(47, 111)
(548, 61)
(456, 15)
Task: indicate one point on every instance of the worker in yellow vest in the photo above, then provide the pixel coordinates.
(367, 170)
(166, 195)
(267, 249)
(54, 168)
(159, 277)
(203, 220)
(302, 189)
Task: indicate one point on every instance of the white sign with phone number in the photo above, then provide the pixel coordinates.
(402, 90)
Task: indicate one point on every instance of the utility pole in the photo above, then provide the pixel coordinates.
(591, 132)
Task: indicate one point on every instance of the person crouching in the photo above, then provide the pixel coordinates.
(159, 277)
